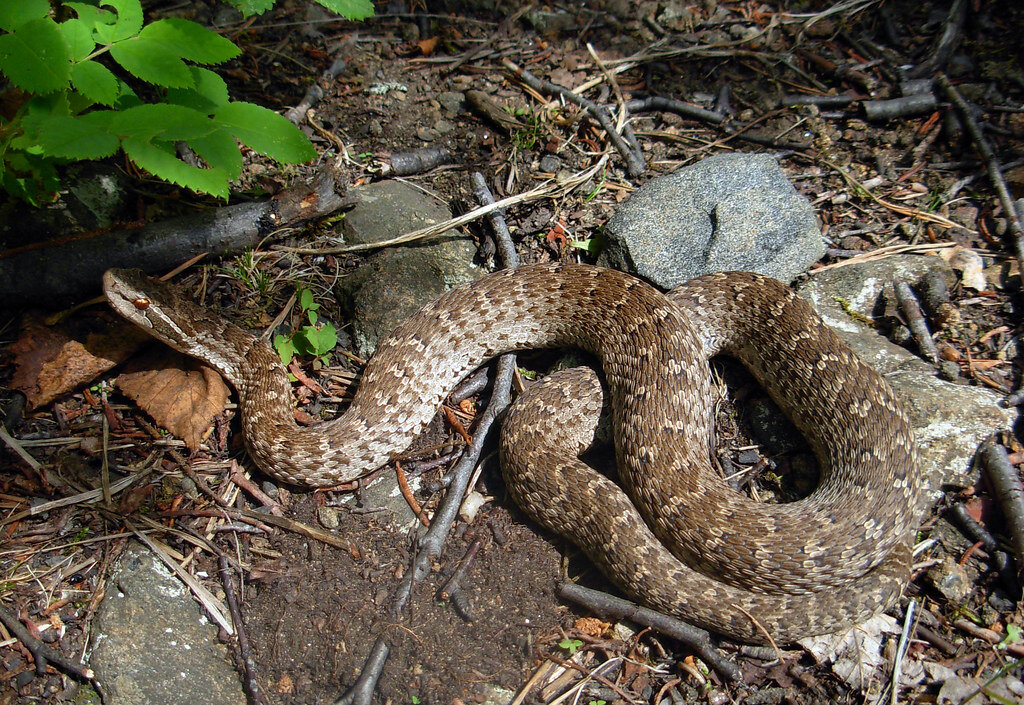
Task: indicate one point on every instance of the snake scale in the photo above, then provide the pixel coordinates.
(675, 536)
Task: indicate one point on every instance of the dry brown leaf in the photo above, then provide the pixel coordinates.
(181, 394)
(427, 45)
(52, 361)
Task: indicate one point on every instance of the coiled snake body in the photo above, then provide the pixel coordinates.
(685, 543)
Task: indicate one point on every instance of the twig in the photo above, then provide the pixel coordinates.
(298, 527)
(410, 499)
(41, 653)
(634, 164)
(915, 320)
(904, 106)
(697, 639)
(709, 116)
(251, 683)
(995, 173)
(506, 248)
(453, 584)
(1005, 481)
(316, 89)
(417, 161)
(999, 560)
(952, 33)
(546, 189)
(361, 692)
(239, 478)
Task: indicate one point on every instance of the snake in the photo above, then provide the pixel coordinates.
(670, 532)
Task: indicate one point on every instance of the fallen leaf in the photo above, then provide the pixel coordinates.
(51, 361)
(427, 45)
(182, 395)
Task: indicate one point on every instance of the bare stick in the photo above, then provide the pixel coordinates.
(361, 693)
(995, 173)
(697, 639)
(1005, 480)
(952, 34)
(316, 89)
(251, 684)
(915, 320)
(506, 248)
(41, 653)
(634, 164)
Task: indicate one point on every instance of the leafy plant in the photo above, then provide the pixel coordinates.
(570, 645)
(349, 9)
(247, 270)
(314, 340)
(72, 107)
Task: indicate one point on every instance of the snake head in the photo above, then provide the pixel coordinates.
(169, 315)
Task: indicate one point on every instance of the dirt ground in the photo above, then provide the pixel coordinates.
(313, 611)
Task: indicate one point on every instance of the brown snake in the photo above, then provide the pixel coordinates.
(733, 565)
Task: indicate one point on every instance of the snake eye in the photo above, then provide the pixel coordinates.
(141, 303)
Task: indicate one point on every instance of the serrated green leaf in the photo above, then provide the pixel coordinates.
(210, 91)
(128, 23)
(164, 122)
(252, 7)
(152, 62)
(92, 15)
(266, 132)
(35, 57)
(14, 13)
(219, 149)
(192, 41)
(95, 81)
(78, 36)
(75, 138)
(350, 9)
(158, 159)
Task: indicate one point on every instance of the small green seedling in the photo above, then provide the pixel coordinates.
(315, 340)
(570, 645)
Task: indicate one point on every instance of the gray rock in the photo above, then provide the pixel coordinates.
(727, 212)
(949, 420)
(397, 281)
(153, 645)
(452, 102)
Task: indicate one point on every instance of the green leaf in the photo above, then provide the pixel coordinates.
(350, 9)
(285, 348)
(35, 57)
(311, 315)
(158, 159)
(252, 7)
(163, 121)
(14, 13)
(305, 299)
(153, 62)
(95, 82)
(76, 138)
(325, 339)
(192, 41)
(78, 36)
(92, 15)
(210, 91)
(266, 132)
(128, 23)
(220, 150)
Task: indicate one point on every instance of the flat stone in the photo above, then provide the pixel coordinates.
(395, 282)
(949, 420)
(152, 643)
